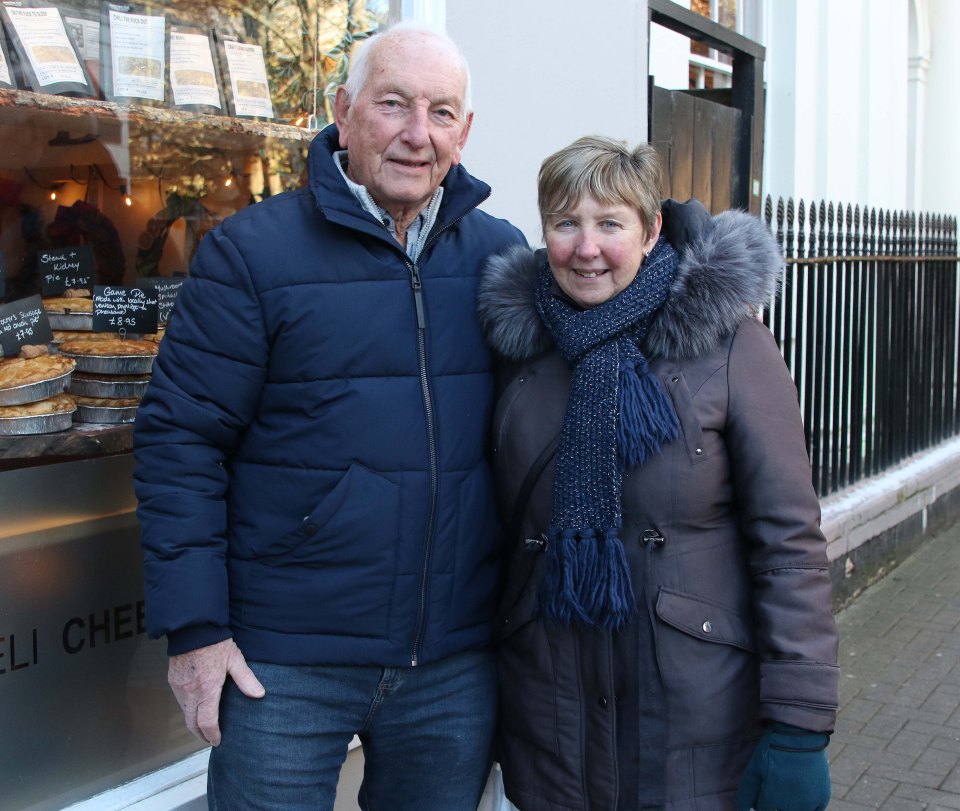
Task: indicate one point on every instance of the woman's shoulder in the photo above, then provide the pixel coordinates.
(724, 277)
(506, 304)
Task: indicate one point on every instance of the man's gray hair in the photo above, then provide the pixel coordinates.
(360, 64)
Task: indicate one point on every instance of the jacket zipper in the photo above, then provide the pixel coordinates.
(416, 284)
(434, 474)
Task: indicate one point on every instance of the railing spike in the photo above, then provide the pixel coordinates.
(801, 236)
(790, 221)
(856, 227)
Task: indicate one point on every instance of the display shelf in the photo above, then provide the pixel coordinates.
(109, 119)
(59, 138)
(80, 441)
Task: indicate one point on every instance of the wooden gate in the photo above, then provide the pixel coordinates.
(697, 141)
(710, 141)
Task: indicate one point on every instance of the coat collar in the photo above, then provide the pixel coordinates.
(461, 191)
(724, 276)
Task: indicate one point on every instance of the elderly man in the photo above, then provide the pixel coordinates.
(320, 542)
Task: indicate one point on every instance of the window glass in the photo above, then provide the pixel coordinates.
(135, 128)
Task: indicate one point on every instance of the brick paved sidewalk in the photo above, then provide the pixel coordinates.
(897, 744)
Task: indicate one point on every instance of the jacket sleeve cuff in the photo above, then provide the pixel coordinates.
(803, 694)
(185, 640)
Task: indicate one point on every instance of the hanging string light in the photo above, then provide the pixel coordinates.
(52, 189)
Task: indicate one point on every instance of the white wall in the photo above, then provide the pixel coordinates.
(670, 56)
(544, 73)
(941, 164)
(838, 122)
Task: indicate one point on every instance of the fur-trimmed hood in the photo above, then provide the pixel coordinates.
(723, 276)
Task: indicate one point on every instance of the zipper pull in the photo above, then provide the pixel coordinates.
(417, 296)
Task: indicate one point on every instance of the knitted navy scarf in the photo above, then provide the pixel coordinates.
(618, 416)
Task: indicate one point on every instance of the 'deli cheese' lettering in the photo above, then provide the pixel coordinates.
(103, 627)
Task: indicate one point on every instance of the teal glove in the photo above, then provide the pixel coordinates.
(787, 772)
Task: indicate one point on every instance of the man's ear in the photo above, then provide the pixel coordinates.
(462, 142)
(341, 111)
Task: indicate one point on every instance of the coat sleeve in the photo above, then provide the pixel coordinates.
(779, 515)
(203, 393)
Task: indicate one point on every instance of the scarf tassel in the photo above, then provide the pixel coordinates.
(647, 420)
(588, 580)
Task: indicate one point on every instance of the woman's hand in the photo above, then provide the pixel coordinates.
(787, 772)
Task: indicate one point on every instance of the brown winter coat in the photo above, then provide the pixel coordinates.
(722, 536)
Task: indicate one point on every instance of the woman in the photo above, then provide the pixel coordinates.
(666, 629)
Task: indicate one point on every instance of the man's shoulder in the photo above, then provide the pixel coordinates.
(490, 224)
(274, 207)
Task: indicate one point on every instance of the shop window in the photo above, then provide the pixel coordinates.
(134, 129)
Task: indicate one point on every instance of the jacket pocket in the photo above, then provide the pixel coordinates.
(520, 601)
(710, 672)
(362, 506)
(704, 619)
(336, 572)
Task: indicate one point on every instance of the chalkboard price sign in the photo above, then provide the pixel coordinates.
(124, 309)
(166, 289)
(66, 269)
(23, 322)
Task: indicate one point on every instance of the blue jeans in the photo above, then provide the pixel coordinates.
(427, 733)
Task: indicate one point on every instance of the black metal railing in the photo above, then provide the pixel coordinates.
(867, 323)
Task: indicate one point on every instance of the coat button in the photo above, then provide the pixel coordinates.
(310, 529)
(602, 701)
(535, 544)
(699, 451)
(674, 379)
(707, 627)
(651, 536)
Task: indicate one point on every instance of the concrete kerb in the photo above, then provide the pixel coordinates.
(874, 525)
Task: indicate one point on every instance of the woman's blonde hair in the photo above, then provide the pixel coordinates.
(607, 170)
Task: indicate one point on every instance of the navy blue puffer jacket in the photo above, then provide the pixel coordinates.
(311, 454)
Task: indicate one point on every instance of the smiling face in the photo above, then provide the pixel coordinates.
(596, 249)
(406, 126)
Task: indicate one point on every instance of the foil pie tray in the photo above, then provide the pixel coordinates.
(115, 387)
(77, 321)
(31, 392)
(38, 424)
(113, 364)
(57, 339)
(105, 414)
